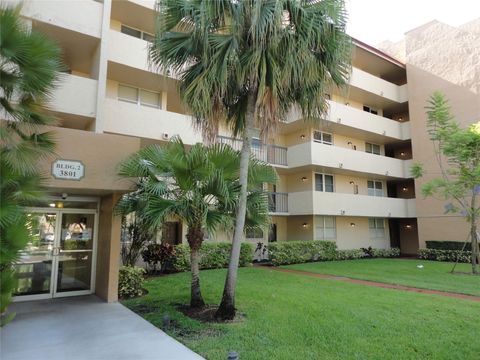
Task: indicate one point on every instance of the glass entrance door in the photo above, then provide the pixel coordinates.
(74, 253)
(59, 257)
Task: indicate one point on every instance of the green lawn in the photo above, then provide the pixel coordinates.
(434, 274)
(287, 316)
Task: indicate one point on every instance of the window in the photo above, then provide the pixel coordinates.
(137, 33)
(139, 96)
(377, 228)
(128, 93)
(324, 183)
(325, 228)
(372, 148)
(254, 233)
(323, 137)
(375, 188)
(370, 110)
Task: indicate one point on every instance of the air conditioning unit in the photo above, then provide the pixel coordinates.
(165, 136)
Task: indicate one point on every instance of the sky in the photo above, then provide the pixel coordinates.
(373, 21)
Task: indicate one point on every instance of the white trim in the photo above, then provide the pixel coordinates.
(323, 180)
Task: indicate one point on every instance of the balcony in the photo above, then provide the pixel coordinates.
(278, 203)
(355, 118)
(375, 85)
(312, 153)
(75, 95)
(80, 16)
(340, 204)
(272, 154)
(135, 57)
(145, 122)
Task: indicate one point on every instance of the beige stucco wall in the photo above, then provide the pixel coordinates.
(357, 236)
(295, 229)
(454, 70)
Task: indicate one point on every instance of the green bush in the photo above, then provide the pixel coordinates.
(130, 281)
(445, 255)
(295, 252)
(212, 256)
(448, 245)
(385, 253)
(350, 254)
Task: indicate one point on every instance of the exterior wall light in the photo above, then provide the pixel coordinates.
(352, 224)
(304, 178)
(51, 204)
(402, 154)
(404, 189)
(355, 187)
(302, 136)
(304, 225)
(408, 226)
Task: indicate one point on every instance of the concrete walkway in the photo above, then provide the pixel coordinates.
(85, 328)
(378, 284)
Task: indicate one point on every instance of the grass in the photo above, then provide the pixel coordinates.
(434, 275)
(287, 316)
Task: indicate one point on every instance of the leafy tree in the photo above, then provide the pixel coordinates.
(246, 64)
(199, 186)
(29, 66)
(458, 154)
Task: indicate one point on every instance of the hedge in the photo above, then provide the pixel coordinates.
(295, 252)
(448, 245)
(445, 255)
(212, 256)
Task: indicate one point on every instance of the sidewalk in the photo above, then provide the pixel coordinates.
(85, 328)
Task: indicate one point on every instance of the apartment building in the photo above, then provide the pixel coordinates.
(345, 180)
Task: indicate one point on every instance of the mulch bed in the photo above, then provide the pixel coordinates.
(206, 314)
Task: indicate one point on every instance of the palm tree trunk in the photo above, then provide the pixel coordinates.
(226, 310)
(195, 239)
(474, 236)
(196, 300)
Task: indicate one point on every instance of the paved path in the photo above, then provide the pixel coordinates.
(377, 284)
(83, 328)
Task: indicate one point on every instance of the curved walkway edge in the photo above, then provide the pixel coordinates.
(378, 284)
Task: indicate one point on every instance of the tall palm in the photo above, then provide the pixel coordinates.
(246, 63)
(29, 66)
(199, 186)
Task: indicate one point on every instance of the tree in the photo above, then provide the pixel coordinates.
(136, 232)
(245, 64)
(199, 186)
(457, 151)
(29, 66)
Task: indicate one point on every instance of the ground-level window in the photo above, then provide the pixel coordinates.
(377, 228)
(375, 188)
(323, 137)
(324, 182)
(254, 233)
(372, 148)
(325, 228)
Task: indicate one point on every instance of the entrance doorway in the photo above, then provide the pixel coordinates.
(59, 259)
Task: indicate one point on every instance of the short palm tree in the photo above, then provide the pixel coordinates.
(29, 65)
(199, 186)
(246, 64)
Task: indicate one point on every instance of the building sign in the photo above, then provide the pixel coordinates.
(68, 169)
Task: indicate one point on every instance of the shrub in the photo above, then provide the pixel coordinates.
(130, 281)
(158, 253)
(445, 255)
(295, 252)
(385, 253)
(350, 254)
(212, 256)
(448, 245)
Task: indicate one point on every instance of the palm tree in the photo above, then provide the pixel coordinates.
(29, 66)
(246, 64)
(199, 186)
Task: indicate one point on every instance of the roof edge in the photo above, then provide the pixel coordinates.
(378, 52)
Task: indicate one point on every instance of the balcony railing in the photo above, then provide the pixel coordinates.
(271, 154)
(278, 202)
